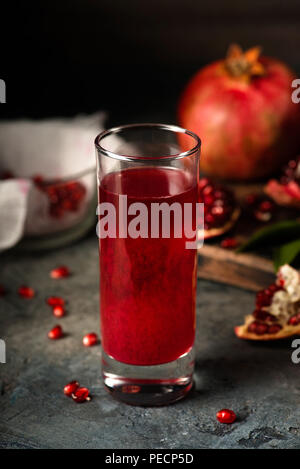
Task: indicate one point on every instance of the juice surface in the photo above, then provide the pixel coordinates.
(147, 286)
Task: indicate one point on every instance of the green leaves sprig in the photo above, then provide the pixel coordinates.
(283, 236)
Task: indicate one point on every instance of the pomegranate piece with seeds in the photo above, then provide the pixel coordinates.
(226, 416)
(55, 301)
(90, 339)
(26, 292)
(60, 272)
(81, 395)
(56, 333)
(220, 208)
(70, 388)
(286, 190)
(63, 197)
(277, 312)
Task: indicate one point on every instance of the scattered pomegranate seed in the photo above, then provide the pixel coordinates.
(2, 290)
(55, 301)
(70, 388)
(81, 395)
(90, 339)
(60, 272)
(226, 416)
(281, 282)
(26, 292)
(229, 243)
(59, 311)
(56, 333)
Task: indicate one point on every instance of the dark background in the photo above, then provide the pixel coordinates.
(131, 58)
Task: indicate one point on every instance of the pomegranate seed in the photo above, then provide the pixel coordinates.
(60, 272)
(208, 190)
(203, 182)
(281, 282)
(55, 301)
(26, 292)
(294, 320)
(209, 218)
(59, 311)
(81, 395)
(274, 329)
(90, 339)
(269, 293)
(56, 333)
(2, 290)
(217, 210)
(209, 199)
(263, 299)
(67, 204)
(70, 388)
(258, 328)
(229, 243)
(273, 288)
(266, 206)
(263, 315)
(261, 329)
(226, 416)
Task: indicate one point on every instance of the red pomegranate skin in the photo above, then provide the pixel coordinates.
(248, 128)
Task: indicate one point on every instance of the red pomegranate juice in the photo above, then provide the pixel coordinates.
(147, 286)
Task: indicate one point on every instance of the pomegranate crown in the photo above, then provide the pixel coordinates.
(243, 65)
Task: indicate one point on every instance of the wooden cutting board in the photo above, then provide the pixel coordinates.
(251, 271)
(248, 271)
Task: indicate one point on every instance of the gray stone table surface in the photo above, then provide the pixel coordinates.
(258, 381)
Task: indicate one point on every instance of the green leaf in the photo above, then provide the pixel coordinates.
(278, 233)
(286, 253)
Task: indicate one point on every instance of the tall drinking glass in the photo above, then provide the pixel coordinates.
(148, 191)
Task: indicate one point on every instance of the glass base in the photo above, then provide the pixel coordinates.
(154, 385)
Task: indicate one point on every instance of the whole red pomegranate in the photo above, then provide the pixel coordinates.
(241, 108)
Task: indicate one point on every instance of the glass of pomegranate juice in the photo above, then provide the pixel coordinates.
(148, 194)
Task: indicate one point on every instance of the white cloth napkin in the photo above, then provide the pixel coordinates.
(53, 148)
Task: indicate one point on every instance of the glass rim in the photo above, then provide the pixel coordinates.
(169, 127)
